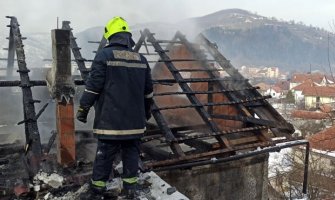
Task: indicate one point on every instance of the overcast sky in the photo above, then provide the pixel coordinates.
(41, 15)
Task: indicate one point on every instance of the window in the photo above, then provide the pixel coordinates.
(317, 102)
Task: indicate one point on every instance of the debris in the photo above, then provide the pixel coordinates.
(20, 188)
(170, 190)
(114, 186)
(53, 180)
(69, 195)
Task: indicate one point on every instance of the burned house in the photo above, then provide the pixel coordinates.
(210, 134)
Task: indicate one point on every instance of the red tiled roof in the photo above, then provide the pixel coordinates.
(321, 91)
(306, 84)
(284, 85)
(276, 89)
(315, 77)
(324, 140)
(304, 114)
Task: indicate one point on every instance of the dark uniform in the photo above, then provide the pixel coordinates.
(120, 88)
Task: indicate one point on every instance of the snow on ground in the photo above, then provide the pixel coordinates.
(328, 153)
(158, 189)
(278, 162)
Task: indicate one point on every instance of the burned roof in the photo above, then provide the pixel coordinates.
(223, 112)
(203, 107)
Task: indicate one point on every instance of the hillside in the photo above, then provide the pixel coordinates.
(250, 39)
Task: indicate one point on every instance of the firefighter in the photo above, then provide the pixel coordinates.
(119, 87)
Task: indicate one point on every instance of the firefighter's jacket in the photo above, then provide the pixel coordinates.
(118, 86)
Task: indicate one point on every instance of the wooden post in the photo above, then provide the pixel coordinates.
(61, 87)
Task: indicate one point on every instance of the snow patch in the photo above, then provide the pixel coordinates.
(278, 162)
(159, 189)
(69, 195)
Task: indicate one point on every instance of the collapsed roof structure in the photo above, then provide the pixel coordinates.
(205, 112)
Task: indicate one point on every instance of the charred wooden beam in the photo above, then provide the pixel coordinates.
(201, 92)
(198, 145)
(184, 60)
(246, 119)
(208, 135)
(102, 43)
(168, 41)
(176, 149)
(13, 148)
(156, 153)
(266, 111)
(141, 40)
(76, 51)
(50, 142)
(200, 156)
(210, 97)
(195, 80)
(185, 87)
(5, 59)
(199, 70)
(33, 143)
(32, 83)
(212, 74)
(176, 129)
(4, 161)
(214, 104)
(166, 131)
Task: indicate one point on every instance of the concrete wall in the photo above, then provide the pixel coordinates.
(236, 180)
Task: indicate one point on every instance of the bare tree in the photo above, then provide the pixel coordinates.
(287, 180)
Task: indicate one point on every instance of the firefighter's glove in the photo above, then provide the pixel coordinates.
(148, 104)
(82, 114)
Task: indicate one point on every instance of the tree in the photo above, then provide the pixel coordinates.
(289, 97)
(287, 176)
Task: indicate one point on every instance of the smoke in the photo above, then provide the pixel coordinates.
(41, 15)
